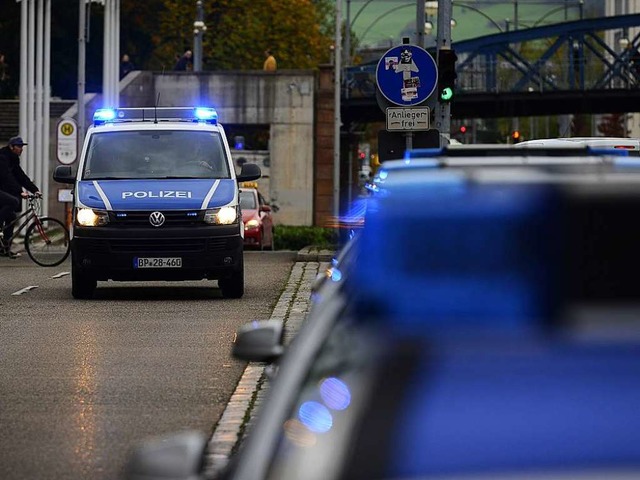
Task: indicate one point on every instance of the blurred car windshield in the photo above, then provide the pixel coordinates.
(247, 200)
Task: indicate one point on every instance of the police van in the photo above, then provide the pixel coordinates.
(156, 198)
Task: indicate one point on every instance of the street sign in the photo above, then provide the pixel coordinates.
(67, 141)
(406, 119)
(407, 75)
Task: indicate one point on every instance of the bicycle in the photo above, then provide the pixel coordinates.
(46, 239)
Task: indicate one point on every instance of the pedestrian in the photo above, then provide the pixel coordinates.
(126, 66)
(270, 64)
(184, 63)
(12, 182)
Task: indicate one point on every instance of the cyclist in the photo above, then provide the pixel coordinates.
(12, 181)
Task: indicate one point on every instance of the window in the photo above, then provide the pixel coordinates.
(156, 154)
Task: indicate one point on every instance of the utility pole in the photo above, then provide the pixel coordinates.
(443, 42)
(336, 106)
(420, 23)
(82, 58)
(347, 36)
(198, 32)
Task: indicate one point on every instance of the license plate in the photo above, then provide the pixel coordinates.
(157, 262)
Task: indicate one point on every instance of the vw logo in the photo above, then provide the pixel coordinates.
(156, 219)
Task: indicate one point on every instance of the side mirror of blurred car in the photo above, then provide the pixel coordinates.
(177, 456)
(265, 208)
(259, 341)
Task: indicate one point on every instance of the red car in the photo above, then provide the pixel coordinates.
(256, 216)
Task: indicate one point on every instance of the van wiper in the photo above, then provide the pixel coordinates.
(106, 178)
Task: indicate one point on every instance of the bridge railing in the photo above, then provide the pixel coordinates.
(360, 82)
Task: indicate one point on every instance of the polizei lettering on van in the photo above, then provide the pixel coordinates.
(160, 194)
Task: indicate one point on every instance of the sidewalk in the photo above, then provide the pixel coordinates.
(291, 309)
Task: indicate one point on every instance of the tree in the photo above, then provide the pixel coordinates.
(153, 32)
(238, 32)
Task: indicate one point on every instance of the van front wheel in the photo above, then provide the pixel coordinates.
(233, 287)
(82, 285)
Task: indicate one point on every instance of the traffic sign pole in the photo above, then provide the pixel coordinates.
(443, 109)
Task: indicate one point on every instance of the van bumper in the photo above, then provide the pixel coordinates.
(210, 252)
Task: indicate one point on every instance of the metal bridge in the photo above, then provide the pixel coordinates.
(564, 68)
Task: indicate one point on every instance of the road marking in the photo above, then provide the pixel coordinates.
(25, 290)
(61, 274)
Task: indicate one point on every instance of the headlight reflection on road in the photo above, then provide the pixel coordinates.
(85, 392)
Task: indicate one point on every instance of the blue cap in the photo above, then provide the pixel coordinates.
(16, 141)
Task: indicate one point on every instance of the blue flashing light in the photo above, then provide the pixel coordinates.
(618, 152)
(315, 416)
(336, 275)
(425, 152)
(192, 214)
(103, 115)
(335, 393)
(466, 254)
(206, 114)
(121, 215)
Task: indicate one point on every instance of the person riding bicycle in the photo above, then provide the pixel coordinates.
(12, 182)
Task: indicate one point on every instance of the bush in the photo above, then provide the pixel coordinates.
(288, 237)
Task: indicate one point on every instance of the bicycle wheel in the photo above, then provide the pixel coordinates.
(47, 242)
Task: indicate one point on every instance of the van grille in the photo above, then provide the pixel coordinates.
(173, 218)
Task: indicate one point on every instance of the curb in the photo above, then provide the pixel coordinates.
(315, 254)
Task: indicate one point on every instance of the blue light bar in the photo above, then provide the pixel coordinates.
(618, 152)
(424, 152)
(155, 114)
(206, 114)
(103, 115)
(461, 259)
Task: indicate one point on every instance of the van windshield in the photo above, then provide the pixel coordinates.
(156, 154)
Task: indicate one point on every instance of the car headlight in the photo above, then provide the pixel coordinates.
(251, 224)
(221, 216)
(88, 217)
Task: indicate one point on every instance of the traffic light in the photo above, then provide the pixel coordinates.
(446, 74)
(463, 129)
(515, 136)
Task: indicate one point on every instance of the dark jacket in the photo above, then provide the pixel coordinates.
(12, 177)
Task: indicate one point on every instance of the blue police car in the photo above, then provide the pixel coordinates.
(156, 198)
(492, 333)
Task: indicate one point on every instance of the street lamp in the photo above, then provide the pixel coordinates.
(198, 31)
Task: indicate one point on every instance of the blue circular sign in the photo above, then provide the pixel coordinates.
(407, 75)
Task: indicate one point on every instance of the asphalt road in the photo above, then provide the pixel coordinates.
(82, 382)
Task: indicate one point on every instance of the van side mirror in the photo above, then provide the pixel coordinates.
(248, 172)
(64, 174)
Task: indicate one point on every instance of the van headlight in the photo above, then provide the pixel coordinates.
(221, 216)
(88, 217)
